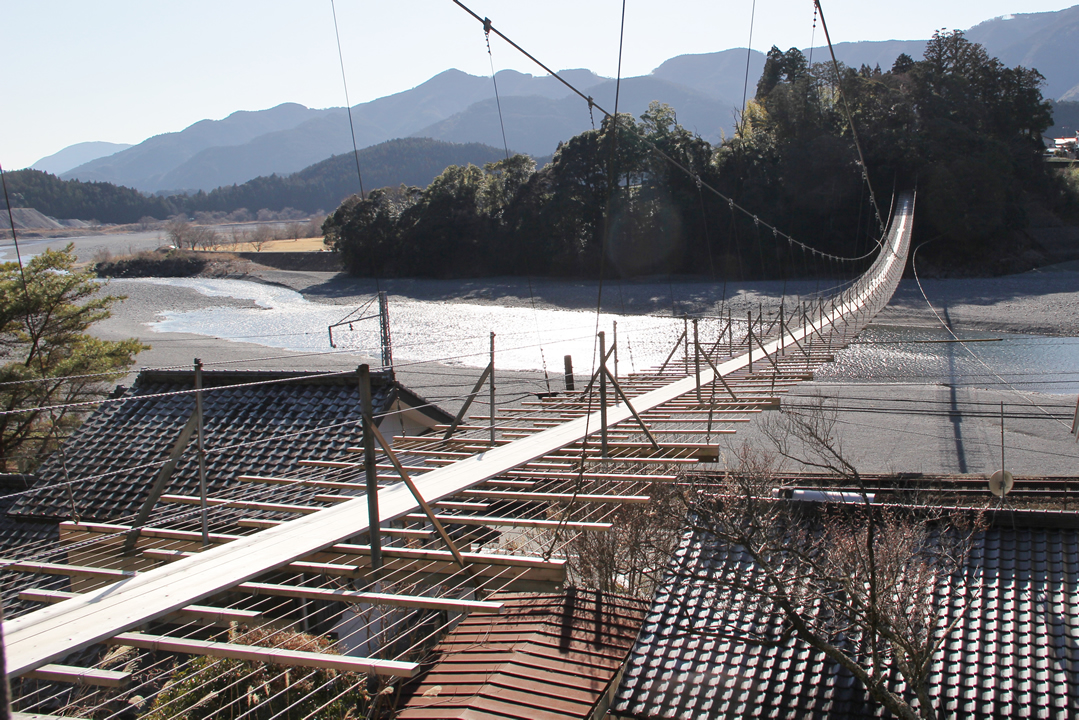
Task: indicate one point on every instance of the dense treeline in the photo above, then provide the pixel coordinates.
(99, 201)
(414, 161)
(957, 125)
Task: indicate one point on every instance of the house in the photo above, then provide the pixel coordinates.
(256, 422)
(549, 656)
(1013, 653)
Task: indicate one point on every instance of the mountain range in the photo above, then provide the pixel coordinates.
(537, 112)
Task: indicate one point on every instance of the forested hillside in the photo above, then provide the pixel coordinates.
(410, 161)
(958, 126)
(74, 199)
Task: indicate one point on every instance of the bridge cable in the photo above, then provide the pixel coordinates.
(506, 147)
(348, 105)
(494, 80)
(850, 119)
(578, 485)
(749, 57)
(651, 145)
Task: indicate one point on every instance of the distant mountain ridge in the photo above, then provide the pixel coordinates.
(74, 155)
(705, 89)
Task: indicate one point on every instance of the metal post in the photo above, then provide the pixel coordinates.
(685, 337)
(697, 359)
(749, 338)
(201, 444)
(614, 343)
(730, 332)
(1001, 441)
(603, 394)
(368, 414)
(492, 381)
(782, 332)
(568, 360)
(384, 326)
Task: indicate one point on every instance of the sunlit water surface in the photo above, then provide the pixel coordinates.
(527, 339)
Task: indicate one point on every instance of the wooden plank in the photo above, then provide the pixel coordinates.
(40, 637)
(516, 522)
(556, 497)
(203, 613)
(39, 716)
(69, 570)
(410, 533)
(310, 482)
(81, 676)
(243, 504)
(391, 599)
(278, 656)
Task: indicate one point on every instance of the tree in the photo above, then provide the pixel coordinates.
(44, 345)
(854, 581)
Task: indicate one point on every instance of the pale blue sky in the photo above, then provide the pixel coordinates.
(123, 70)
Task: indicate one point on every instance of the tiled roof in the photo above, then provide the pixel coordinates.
(1015, 654)
(18, 532)
(129, 434)
(546, 657)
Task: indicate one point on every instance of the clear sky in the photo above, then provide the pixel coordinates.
(124, 70)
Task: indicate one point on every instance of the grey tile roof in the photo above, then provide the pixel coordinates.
(129, 434)
(1016, 653)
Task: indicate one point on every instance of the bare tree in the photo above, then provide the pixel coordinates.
(179, 232)
(262, 235)
(854, 580)
(631, 557)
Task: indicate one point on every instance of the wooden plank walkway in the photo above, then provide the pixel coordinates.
(49, 634)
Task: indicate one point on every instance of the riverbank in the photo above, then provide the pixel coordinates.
(922, 425)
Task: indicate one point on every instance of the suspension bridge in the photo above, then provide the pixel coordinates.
(542, 472)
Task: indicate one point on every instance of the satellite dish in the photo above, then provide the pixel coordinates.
(1000, 483)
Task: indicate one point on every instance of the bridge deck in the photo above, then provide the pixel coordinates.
(46, 635)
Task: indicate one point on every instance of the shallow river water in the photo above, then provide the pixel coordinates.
(526, 339)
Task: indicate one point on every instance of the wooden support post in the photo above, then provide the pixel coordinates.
(419, 499)
(603, 394)
(468, 402)
(595, 375)
(671, 355)
(201, 441)
(368, 414)
(685, 337)
(640, 421)
(697, 358)
(491, 379)
(749, 339)
(782, 331)
(162, 479)
(720, 378)
(730, 330)
(614, 346)
(568, 361)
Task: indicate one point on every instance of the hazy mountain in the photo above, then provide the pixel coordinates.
(77, 154)
(322, 186)
(289, 137)
(538, 112)
(536, 125)
(143, 165)
(719, 74)
(1047, 41)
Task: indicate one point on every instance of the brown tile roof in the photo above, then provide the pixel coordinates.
(546, 657)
